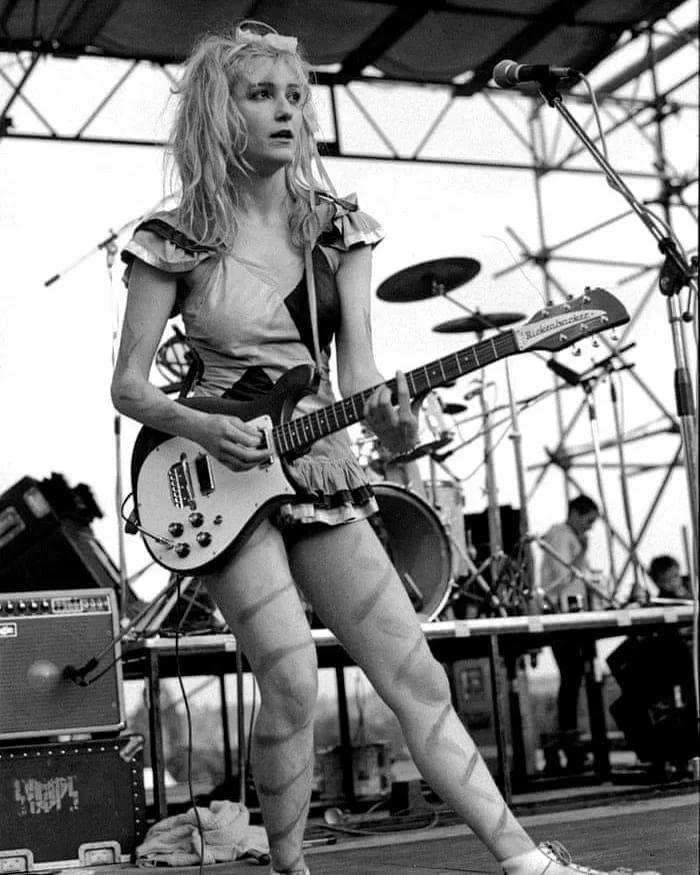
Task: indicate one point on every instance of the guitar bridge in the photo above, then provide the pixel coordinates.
(180, 484)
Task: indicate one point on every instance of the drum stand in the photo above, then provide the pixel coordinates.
(474, 573)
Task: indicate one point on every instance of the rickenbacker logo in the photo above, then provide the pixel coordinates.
(8, 630)
(529, 334)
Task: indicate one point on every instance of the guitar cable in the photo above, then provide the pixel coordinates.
(132, 526)
(188, 716)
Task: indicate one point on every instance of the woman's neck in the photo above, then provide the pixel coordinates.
(264, 198)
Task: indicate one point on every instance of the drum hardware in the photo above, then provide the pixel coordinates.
(415, 540)
(452, 409)
(428, 279)
(592, 588)
(478, 322)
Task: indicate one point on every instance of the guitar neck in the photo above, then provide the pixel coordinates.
(296, 434)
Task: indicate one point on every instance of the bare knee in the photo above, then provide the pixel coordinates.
(420, 678)
(290, 688)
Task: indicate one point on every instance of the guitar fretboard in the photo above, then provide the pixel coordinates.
(301, 432)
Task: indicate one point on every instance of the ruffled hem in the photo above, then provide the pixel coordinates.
(331, 491)
(306, 512)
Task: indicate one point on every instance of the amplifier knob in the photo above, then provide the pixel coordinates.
(33, 605)
(196, 519)
(203, 539)
(9, 607)
(182, 550)
(21, 606)
(176, 529)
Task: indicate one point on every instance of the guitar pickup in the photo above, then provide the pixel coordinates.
(180, 483)
(205, 474)
(265, 444)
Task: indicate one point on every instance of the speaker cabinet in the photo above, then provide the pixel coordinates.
(42, 633)
(45, 537)
(76, 804)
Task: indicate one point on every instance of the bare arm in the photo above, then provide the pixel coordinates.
(396, 427)
(149, 303)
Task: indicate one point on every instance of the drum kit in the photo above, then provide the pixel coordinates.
(421, 520)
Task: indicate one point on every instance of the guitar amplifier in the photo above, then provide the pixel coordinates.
(69, 805)
(42, 634)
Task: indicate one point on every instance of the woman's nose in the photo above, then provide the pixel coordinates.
(283, 110)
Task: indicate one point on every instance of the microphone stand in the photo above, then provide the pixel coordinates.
(675, 273)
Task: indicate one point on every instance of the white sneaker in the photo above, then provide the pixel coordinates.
(551, 858)
(303, 871)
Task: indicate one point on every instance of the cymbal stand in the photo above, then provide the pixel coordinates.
(474, 572)
(495, 533)
(675, 274)
(524, 523)
(109, 245)
(588, 386)
(493, 510)
(619, 439)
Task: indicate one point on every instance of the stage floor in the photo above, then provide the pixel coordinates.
(659, 833)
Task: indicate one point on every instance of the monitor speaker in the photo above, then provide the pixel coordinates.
(46, 541)
(44, 633)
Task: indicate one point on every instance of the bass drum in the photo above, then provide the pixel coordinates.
(417, 545)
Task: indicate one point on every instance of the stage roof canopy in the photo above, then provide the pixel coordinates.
(455, 41)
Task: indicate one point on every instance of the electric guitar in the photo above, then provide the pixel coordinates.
(194, 513)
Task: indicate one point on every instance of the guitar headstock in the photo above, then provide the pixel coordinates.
(559, 326)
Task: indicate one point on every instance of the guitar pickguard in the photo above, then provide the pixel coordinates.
(199, 510)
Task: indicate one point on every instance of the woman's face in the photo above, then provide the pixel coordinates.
(270, 100)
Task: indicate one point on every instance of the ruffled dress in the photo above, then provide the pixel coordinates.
(248, 325)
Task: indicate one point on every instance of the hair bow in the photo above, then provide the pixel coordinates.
(275, 40)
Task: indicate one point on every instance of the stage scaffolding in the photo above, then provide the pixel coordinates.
(540, 148)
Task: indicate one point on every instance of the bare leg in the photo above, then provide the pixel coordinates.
(260, 602)
(355, 590)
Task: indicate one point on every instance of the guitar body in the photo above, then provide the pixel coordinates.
(194, 513)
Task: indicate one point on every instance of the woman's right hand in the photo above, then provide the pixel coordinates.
(232, 441)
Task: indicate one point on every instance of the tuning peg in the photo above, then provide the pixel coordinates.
(576, 350)
(614, 336)
(595, 342)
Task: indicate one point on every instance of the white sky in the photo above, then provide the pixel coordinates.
(59, 201)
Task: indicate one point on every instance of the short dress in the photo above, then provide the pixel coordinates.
(248, 325)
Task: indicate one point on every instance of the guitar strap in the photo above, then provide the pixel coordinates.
(308, 260)
(311, 292)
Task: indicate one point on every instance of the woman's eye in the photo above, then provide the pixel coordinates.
(294, 97)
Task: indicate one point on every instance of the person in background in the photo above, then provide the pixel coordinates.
(564, 590)
(258, 246)
(666, 574)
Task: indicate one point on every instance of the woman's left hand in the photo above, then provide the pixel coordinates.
(396, 426)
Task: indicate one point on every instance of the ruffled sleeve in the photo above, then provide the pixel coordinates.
(340, 224)
(159, 242)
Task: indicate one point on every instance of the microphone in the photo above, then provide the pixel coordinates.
(508, 74)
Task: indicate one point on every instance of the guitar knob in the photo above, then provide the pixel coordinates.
(218, 519)
(176, 529)
(196, 519)
(182, 550)
(203, 539)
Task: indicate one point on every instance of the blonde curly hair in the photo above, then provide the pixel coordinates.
(209, 134)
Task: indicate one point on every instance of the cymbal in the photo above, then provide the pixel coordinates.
(479, 322)
(451, 408)
(428, 279)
